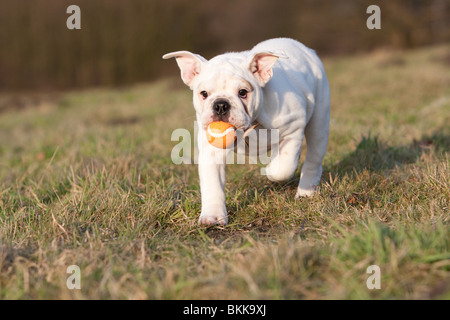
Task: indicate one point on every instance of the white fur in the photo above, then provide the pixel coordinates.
(288, 91)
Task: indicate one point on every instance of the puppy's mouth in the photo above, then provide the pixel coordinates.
(237, 124)
(224, 118)
(223, 110)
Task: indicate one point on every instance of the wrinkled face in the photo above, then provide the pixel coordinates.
(228, 87)
(223, 94)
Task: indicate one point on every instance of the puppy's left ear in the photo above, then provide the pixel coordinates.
(189, 63)
(262, 63)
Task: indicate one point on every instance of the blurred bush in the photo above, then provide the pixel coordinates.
(122, 42)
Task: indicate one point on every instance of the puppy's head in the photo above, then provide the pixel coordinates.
(227, 87)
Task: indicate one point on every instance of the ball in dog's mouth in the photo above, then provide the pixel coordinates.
(221, 134)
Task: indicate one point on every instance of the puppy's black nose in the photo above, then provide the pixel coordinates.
(221, 107)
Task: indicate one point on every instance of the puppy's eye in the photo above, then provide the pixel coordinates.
(204, 94)
(242, 93)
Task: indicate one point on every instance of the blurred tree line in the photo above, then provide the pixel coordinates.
(122, 42)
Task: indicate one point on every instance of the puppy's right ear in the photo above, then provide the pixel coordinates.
(189, 63)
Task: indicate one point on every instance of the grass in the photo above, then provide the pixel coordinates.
(86, 179)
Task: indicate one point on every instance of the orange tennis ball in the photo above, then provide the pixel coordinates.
(221, 134)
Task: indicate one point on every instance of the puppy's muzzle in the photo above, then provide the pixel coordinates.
(221, 107)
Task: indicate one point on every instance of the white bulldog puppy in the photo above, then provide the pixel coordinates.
(279, 84)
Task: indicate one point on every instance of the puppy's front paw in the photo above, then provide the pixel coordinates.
(213, 216)
(277, 173)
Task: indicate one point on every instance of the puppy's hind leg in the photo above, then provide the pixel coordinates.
(316, 135)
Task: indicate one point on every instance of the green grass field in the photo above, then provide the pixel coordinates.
(86, 179)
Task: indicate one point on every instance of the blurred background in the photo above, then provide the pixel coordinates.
(121, 42)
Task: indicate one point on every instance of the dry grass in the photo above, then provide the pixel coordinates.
(86, 179)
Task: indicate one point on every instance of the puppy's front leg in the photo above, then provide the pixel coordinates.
(285, 161)
(212, 187)
(211, 169)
